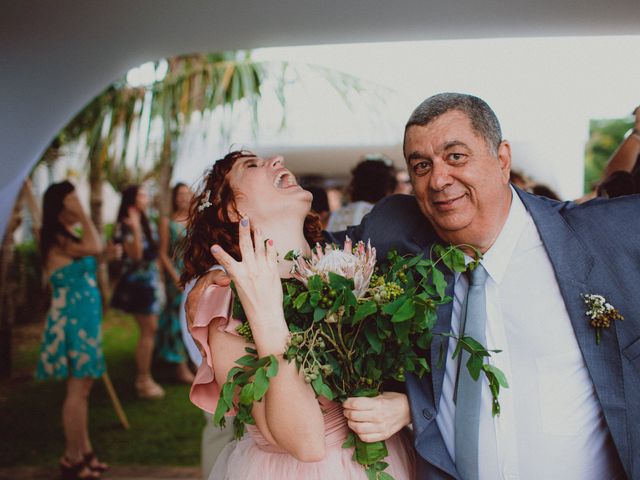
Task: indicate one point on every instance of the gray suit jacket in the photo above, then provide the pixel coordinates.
(594, 248)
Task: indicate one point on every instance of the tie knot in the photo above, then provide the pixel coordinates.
(478, 276)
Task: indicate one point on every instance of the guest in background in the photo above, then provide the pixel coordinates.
(169, 344)
(139, 291)
(544, 191)
(520, 180)
(621, 176)
(371, 180)
(72, 341)
(617, 184)
(320, 204)
(403, 184)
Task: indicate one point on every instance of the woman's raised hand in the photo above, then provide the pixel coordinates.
(72, 204)
(256, 277)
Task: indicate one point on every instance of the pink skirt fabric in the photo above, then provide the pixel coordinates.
(253, 458)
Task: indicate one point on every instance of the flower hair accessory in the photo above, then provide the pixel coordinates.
(601, 313)
(205, 203)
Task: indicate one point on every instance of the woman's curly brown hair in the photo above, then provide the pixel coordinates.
(213, 225)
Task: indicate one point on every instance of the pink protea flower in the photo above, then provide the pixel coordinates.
(355, 263)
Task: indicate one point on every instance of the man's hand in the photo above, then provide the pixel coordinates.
(377, 418)
(215, 277)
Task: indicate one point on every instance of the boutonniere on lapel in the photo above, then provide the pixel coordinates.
(601, 313)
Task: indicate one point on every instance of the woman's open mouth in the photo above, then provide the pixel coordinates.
(285, 180)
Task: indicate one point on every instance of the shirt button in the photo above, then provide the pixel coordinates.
(428, 414)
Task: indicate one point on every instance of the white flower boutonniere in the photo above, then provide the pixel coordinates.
(601, 313)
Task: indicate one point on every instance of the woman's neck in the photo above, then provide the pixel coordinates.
(287, 235)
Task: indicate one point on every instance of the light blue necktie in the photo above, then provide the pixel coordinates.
(467, 396)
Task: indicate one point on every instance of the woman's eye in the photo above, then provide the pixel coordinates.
(251, 164)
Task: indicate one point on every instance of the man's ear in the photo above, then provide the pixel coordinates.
(504, 158)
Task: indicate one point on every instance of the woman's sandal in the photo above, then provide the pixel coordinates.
(77, 471)
(149, 390)
(93, 463)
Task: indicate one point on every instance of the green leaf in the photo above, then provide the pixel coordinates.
(474, 366)
(350, 441)
(300, 300)
(272, 369)
(247, 360)
(364, 310)
(291, 255)
(406, 311)
(326, 392)
(221, 408)
(315, 283)
(321, 389)
(402, 331)
(261, 382)
(373, 340)
(458, 260)
(233, 372)
(423, 362)
(227, 394)
(473, 346)
(339, 282)
(246, 394)
(370, 453)
(391, 308)
(499, 374)
(439, 282)
(319, 313)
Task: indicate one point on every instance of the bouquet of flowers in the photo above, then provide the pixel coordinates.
(355, 325)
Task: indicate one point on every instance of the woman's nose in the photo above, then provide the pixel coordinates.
(277, 161)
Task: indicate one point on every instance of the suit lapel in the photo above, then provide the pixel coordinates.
(578, 273)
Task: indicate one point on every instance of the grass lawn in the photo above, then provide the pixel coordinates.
(163, 432)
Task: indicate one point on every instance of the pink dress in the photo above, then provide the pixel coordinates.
(253, 457)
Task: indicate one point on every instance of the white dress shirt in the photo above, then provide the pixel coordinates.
(551, 424)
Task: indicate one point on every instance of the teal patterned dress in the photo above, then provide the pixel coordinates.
(169, 344)
(72, 340)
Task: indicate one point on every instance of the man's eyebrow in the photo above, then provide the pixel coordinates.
(454, 143)
(415, 155)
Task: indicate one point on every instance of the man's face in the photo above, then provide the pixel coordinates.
(460, 183)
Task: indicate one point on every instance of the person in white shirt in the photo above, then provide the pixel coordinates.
(571, 409)
(371, 180)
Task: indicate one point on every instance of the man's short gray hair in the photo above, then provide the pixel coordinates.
(483, 119)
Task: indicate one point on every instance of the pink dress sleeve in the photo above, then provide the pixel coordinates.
(215, 302)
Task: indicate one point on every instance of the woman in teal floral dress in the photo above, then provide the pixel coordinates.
(72, 342)
(169, 344)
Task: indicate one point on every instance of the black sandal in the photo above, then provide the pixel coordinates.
(93, 463)
(76, 471)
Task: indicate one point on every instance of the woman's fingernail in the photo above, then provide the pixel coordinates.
(244, 222)
(270, 242)
(215, 249)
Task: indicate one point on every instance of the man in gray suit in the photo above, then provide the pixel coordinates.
(572, 408)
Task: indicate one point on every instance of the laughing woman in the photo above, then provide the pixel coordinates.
(296, 435)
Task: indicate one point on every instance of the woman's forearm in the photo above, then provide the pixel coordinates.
(292, 412)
